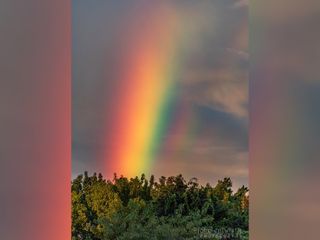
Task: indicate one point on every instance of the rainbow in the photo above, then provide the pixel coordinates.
(146, 92)
(147, 104)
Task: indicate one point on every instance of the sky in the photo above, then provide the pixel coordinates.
(160, 87)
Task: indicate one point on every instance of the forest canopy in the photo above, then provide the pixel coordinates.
(144, 209)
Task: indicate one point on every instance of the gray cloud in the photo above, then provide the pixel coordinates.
(221, 90)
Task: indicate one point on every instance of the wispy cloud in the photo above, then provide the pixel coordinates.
(222, 90)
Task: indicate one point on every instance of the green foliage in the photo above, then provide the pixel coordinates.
(172, 208)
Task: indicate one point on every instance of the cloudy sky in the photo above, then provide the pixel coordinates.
(197, 51)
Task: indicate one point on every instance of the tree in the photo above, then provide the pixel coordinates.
(171, 208)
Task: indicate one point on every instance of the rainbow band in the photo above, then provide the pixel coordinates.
(146, 96)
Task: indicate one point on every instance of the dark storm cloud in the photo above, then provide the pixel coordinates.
(224, 124)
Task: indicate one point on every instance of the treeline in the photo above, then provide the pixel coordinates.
(172, 208)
